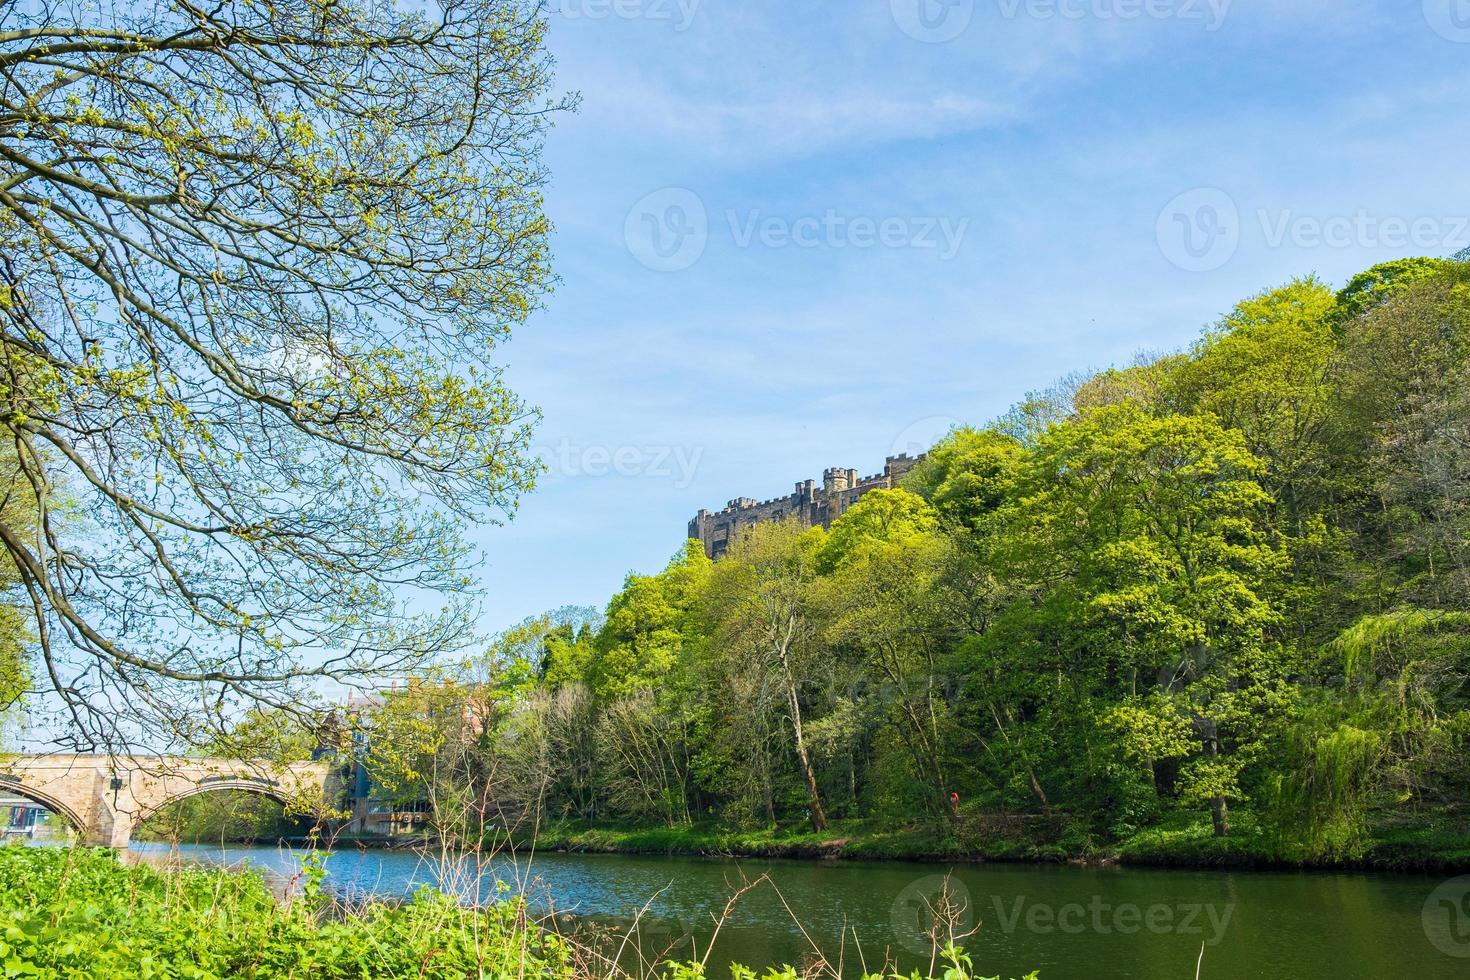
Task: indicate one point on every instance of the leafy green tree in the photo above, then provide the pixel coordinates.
(1391, 734)
(1151, 536)
(433, 742)
(1030, 418)
(762, 609)
(1151, 380)
(885, 601)
(1403, 428)
(546, 753)
(553, 648)
(881, 518)
(640, 672)
(254, 262)
(642, 747)
(1407, 678)
(641, 643)
(1263, 371)
(1371, 287)
(968, 475)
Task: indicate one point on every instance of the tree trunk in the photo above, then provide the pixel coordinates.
(783, 634)
(1220, 813)
(814, 797)
(1219, 808)
(1031, 779)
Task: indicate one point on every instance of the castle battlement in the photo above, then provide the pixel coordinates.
(811, 503)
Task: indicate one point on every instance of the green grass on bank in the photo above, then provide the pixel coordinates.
(1429, 841)
(79, 913)
(1435, 841)
(843, 839)
(72, 913)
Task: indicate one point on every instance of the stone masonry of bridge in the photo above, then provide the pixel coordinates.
(105, 798)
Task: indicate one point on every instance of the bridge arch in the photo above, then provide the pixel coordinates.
(55, 804)
(105, 797)
(269, 789)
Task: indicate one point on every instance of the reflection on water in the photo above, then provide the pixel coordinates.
(1065, 922)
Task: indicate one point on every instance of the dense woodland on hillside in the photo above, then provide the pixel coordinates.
(1226, 589)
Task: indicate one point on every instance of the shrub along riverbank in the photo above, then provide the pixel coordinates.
(1439, 842)
(71, 913)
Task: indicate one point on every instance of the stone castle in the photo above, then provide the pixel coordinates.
(810, 504)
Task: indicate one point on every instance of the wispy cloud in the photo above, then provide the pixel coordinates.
(736, 129)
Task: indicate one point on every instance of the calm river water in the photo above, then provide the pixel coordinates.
(1066, 922)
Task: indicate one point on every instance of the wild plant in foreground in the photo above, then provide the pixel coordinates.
(72, 913)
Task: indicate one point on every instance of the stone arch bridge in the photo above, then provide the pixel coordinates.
(105, 797)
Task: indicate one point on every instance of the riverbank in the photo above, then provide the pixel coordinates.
(1434, 842)
(1440, 844)
(80, 912)
(77, 912)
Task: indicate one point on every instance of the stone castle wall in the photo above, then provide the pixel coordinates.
(811, 504)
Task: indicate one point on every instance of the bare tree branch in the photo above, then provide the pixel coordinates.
(254, 257)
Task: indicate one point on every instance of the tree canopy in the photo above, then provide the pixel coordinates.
(255, 261)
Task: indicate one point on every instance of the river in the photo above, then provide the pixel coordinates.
(1105, 923)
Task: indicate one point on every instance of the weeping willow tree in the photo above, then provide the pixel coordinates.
(1409, 672)
(1320, 801)
(1396, 732)
(255, 260)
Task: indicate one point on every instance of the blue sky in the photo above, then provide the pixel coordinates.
(892, 222)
